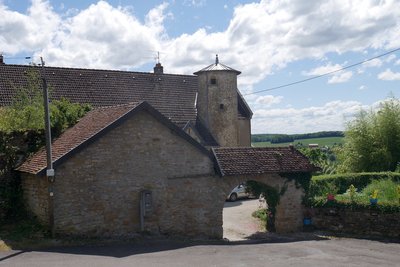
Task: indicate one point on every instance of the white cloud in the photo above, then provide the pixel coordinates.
(390, 58)
(195, 3)
(341, 77)
(389, 75)
(397, 62)
(331, 116)
(120, 41)
(376, 62)
(269, 100)
(261, 36)
(337, 77)
(362, 87)
(27, 32)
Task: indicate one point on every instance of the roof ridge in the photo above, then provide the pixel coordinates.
(93, 69)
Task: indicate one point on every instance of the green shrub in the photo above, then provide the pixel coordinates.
(339, 183)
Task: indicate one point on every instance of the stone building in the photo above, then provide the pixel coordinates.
(159, 153)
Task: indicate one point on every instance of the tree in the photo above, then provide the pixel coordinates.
(372, 140)
(27, 112)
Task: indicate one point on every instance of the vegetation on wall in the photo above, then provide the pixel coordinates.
(372, 140)
(27, 110)
(272, 196)
(22, 133)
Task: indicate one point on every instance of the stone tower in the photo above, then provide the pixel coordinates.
(217, 102)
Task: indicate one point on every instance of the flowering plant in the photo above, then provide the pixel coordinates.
(374, 194)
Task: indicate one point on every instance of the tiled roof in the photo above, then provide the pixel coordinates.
(173, 95)
(255, 160)
(93, 124)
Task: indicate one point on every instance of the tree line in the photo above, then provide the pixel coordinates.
(286, 138)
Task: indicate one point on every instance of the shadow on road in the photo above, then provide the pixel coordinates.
(239, 202)
(129, 248)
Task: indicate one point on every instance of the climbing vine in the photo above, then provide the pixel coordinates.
(302, 180)
(272, 196)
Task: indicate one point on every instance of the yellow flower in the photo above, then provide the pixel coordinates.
(374, 194)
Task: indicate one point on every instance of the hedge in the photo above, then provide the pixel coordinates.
(339, 183)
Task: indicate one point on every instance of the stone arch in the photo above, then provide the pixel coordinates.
(289, 212)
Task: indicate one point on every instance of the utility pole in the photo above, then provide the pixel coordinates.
(50, 171)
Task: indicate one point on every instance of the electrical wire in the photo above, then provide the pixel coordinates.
(325, 74)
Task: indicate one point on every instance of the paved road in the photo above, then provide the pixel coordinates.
(331, 252)
(239, 224)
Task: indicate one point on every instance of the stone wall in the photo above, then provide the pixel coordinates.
(35, 194)
(368, 222)
(217, 105)
(97, 191)
(244, 135)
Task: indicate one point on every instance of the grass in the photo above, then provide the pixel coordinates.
(325, 141)
(387, 193)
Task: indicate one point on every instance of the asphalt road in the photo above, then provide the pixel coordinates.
(249, 249)
(316, 252)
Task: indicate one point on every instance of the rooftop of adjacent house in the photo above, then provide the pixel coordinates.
(171, 94)
(258, 160)
(94, 124)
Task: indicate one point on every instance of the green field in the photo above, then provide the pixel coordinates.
(325, 141)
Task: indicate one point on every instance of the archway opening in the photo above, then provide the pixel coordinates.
(244, 212)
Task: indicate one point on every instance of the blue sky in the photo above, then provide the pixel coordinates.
(272, 42)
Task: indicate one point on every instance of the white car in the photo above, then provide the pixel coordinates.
(238, 192)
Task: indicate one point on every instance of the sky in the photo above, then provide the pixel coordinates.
(272, 42)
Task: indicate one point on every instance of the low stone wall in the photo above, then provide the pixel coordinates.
(367, 222)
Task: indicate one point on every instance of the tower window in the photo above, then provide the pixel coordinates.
(213, 81)
(221, 106)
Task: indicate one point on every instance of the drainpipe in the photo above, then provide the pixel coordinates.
(50, 171)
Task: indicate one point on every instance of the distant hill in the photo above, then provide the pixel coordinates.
(287, 138)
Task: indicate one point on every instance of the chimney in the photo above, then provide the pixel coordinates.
(1, 59)
(158, 69)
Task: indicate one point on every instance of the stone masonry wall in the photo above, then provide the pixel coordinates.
(244, 134)
(35, 194)
(97, 190)
(366, 222)
(217, 105)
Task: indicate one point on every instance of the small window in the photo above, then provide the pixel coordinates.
(213, 81)
(221, 106)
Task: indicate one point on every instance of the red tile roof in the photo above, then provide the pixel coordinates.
(255, 160)
(93, 124)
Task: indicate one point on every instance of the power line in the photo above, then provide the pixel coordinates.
(325, 74)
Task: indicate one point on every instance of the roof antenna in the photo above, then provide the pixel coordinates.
(158, 57)
(216, 59)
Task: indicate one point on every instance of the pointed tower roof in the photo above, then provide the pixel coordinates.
(217, 66)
